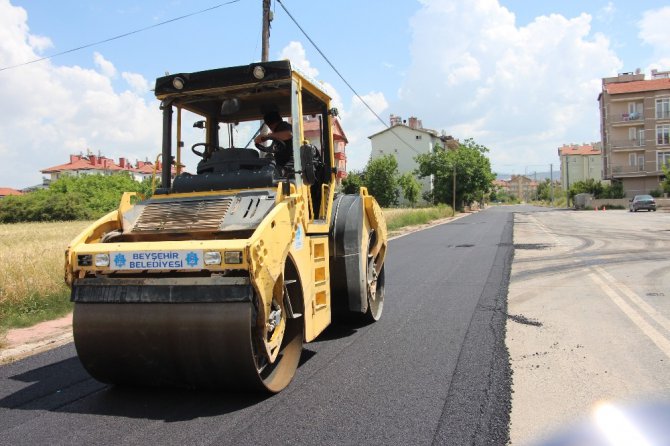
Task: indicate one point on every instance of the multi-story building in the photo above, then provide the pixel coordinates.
(580, 162)
(522, 187)
(405, 140)
(312, 132)
(635, 129)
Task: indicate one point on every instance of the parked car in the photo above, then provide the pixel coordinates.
(642, 202)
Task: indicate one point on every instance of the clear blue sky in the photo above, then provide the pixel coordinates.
(484, 69)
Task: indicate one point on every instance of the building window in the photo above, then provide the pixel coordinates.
(632, 158)
(663, 108)
(662, 159)
(663, 134)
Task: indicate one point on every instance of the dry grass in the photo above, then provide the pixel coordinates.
(31, 269)
(397, 218)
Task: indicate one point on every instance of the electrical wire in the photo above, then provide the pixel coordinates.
(119, 36)
(343, 79)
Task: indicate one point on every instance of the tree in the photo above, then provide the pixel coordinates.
(352, 183)
(544, 190)
(597, 189)
(72, 198)
(473, 172)
(410, 188)
(666, 182)
(381, 179)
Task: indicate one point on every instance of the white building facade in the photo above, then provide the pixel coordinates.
(406, 141)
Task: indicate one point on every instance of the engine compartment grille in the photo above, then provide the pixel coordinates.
(183, 215)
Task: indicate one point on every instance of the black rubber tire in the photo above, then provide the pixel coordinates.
(376, 306)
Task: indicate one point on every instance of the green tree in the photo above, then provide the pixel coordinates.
(72, 198)
(588, 186)
(410, 188)
(597, 189)
(666, 182)
(353, 182)
(614, 190)
(381, 179)
(473, 172)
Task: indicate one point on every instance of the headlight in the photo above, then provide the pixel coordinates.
(178, 83)
(84, 259)
(259, 72)
(102, 260)
(232, 257)
(213, 258)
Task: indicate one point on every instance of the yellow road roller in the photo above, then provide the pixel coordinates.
(218, 278)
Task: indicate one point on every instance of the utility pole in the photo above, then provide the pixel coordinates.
(267, 18)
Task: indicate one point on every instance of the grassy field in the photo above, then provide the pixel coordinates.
(31, 271)
(401, 217)
(31, 265)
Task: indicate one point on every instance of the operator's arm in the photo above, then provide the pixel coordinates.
(283, 135)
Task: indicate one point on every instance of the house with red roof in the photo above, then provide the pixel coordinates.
(635, 129)
(5, 191)
(579, 162)
(312, 129)
(100, 165)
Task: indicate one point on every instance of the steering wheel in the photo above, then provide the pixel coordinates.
(205, 145)
(277, 145)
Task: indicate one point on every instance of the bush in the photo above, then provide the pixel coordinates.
(352, 183)
(71, 198)
(656, 193)
(597, 189)
(410, 188)
(381, 179)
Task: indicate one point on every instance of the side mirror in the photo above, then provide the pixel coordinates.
(230, 106)
(308, 155)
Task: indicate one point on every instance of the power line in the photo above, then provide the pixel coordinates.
(343, 79)
(119, 36)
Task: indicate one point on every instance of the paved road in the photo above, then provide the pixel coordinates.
(591, 291)
(434, 370)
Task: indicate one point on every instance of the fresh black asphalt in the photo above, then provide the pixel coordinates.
(433, 370)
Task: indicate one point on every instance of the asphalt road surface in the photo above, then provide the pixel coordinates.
(589, 325)
(434, 370)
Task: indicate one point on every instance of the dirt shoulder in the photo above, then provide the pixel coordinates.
(23, 342)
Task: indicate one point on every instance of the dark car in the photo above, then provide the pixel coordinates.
(642, 202)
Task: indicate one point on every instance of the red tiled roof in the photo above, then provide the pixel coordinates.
(4, 191)
(92, 162)
(86, 163)
(637, 86)
(575, 149)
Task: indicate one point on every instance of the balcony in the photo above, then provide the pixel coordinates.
(626, 119)
(662, 114)
(620, 171)
(626, 143)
